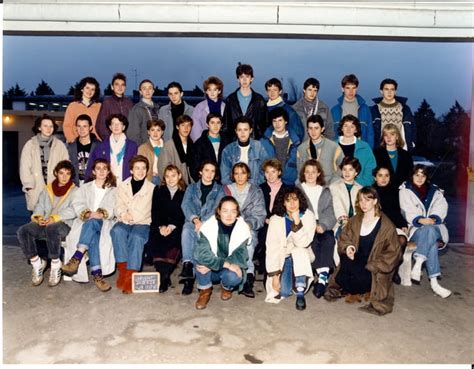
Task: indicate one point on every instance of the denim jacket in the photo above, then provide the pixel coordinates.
(191, 204)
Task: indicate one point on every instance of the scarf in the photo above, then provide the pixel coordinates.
(176, 111)
(60, 191)
(45, 144)
(421, 191)
(214, 106)
(151, 108)
(184, 156)
(117, 152)
(310, 107)
(277, 101)
(274, 188)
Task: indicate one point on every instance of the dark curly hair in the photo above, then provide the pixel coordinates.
(279, 206)
(350, 118)
(82, 84)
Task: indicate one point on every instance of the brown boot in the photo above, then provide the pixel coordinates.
(366, 296)
(127, 281)
(350, 299)
(203, 299)
(225, 294)
(121, 267)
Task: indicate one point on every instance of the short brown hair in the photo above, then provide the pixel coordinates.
(155, 123)
(181, 182)
(138, 159)
(213, 80)
(314, 163)
(349, 118)
(184, 119)
(370, 193)
(273, 163)
(240, 165)
(222, 201)
(353, 162)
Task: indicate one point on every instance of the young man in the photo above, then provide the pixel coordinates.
(209, 146)
(352, 103)
(80, 150)
(179, 150)
(142, 112)
(177, 107)
(318, 147)
(244, 149)
(152, 149)
(391, 108)
(310, 104)
(117, 103)
(51, 220)
(281, 142)
(245, 102)
(274, 89)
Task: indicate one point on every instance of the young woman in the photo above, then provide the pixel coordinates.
(390, 154)
(272, 186)
(51, 220)
(39, 157)
(252, 207)
(349, 132)
(133, 211)
(221, 253)
(199, 203)
(152, 149)
(214, 104)
(390, 204)
(118, 149)
(289, 253)
(93, 204)
(425, 208)
(86, 101)
(369, 251)
(344, 193)
(319, 199)
(167, 221)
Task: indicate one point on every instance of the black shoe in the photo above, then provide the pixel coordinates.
(300, 303)
(248, 286)
(188, 286)
(188, 270)
(164, 284)
(396, 279)
(319, 289)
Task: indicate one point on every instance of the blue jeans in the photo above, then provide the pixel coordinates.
(189, 239)
(286, 280)
(426, 239)
(228, 279)
(89, 240)
(128, 241)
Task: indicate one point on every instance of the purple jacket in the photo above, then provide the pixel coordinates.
(111, 105)
(102, 151)
(200, 113)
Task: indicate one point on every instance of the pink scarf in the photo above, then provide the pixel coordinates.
(274, 188)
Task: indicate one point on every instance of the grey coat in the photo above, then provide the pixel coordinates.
(323, 111)
(169, 155)
(138, 118)
(327, 219)
(63, 211)
(165, 115)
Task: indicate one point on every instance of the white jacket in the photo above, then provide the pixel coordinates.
(340, 198)
(412, 207)
(83, 199)
(297, 244)
(31, 172)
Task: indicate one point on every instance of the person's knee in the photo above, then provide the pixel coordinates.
(230, 278)
(118, 231)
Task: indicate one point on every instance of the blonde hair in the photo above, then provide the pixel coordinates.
(392, 128)
(370, 193)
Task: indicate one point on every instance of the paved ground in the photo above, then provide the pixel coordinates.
(75, 323)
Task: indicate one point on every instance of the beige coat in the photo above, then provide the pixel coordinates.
(297, 244)
(340, 198)
(31, 173)
(169, 155)
(138, 205)
(146, 150)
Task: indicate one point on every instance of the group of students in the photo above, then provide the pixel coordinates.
(233, 187)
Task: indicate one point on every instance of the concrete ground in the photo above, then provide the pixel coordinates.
(75, 323)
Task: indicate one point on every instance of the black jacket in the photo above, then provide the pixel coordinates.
(391, 204)
(404, 164)
(266, 196)
(203, 150)
(72, 150)
(256, 111)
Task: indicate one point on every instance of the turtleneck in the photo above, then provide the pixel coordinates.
(226, 229)
(172, 190)
(277, 101)
(137, 185)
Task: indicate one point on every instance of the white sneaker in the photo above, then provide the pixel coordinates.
(440, 291)
(55, 276)
(37, 273)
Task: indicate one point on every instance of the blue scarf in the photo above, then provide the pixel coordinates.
(157, 150)
(214, 107)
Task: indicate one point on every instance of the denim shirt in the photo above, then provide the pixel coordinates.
(191, 204)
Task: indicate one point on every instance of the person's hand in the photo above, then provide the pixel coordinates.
(42, 222)
(127, 218)
(319, 229)
(405, 230)
(296, 217)
(202, 269)
(276, 283)
(426, 221)
(96, 215)
(162, 230)
(350, 252)
(235, 268)
(267, 221)
(197, 224)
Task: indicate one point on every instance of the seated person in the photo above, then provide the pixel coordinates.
(289, 253)
(93, 205)
(369, 251)
(51, 220)
(221, 252)
(133, 212)
(425, 209)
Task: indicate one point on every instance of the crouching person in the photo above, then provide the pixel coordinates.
(221, 252)
(370, 252)
(289, 253)
(133, 211)
(93, 204)
(51, 221)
